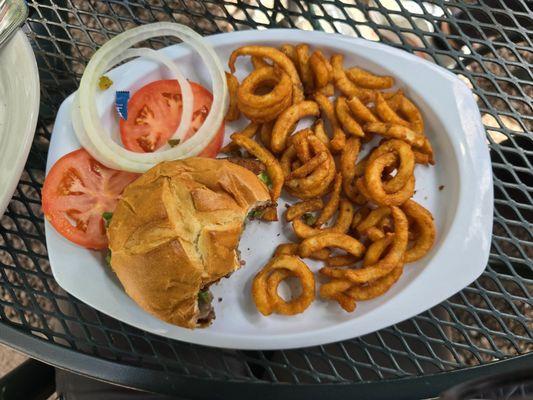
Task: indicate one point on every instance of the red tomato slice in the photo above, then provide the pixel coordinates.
(154, 113)
(76, 192)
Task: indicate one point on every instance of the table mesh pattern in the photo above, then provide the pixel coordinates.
(488, 44)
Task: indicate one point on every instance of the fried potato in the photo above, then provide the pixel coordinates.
(394, 99)
(328, 111)
(271, 163)
(421, 158)
(375, 233)
(328, 90)
(374, 183)
(348, 123)
(290, 51)
(361, 112)
(345, 85)
(317, 183)
(302, 60)
(341, 261)
(332, 240)
(332, 204)
(397, 132)
(319, 67)
(290, 249)
(279, 58)
(287, 121)
(309, 166)
(368, 80)
(264, 290)
(264, 107)
(342, 224)
(386, 264)
(249, 131)
(347, 166)
(412, 114)
(387, 114)
(303, 207)
(406, 163)
(301, 144)
(423, 220)
(233, 112)
(286, 160)
(265, 132)
(270, 214)
(259, 62)
(320, 132)
(375, 288)
(372, 219)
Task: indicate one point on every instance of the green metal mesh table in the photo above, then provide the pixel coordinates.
(485, 328)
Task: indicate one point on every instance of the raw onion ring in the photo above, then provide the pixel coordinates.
(110, 152)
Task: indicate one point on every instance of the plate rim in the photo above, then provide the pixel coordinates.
(20, 40)
(480, 201)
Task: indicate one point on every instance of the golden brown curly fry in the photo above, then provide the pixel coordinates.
(328, 90)
(301, 144)
(348, 123)
(319, 67)
(249, 131)
(342, 224)
(233, 112)
(346, 86)
(360, 111)
(421, 158)
(341, 261)
(288, 249)
(397, 132)
(309, 166)
(302, 60)
(265, 295)
(328, 111)
(271, 163)
(320, 132)
(332, 204)
(426, 230)
(287, 159)
(386, 113)
(347, 165)
(265, 131)
(374, 183)
(372, 219)
(284, 62)
(386, 264)
(259, 62)
(317, 183)
(412, 114)
(368, 80)
(264, 107)
(290, 51)
(406, 163)
(332, 240)
(299, 209)
(287, 121)
(394, 99)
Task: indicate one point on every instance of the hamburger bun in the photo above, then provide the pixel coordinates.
(176, 230)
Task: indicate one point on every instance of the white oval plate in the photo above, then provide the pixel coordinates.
(19, 109)
(462, 209)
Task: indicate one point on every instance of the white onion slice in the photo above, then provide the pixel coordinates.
(108, 151)
(186, 91)
(185, 87)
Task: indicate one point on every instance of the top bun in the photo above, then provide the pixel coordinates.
(176, 230)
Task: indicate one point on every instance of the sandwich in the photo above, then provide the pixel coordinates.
(175, 232)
